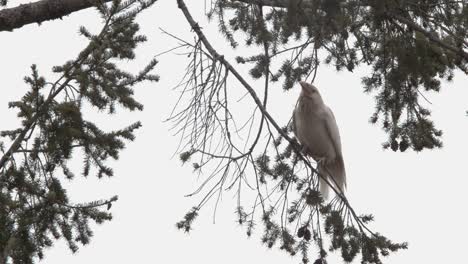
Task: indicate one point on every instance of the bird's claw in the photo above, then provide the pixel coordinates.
(322, 160)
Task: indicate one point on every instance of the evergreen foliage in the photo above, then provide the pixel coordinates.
(35, 208)
(410, 45)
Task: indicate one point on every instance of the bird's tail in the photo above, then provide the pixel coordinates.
(333, 169)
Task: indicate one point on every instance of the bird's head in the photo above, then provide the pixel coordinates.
(310, 91)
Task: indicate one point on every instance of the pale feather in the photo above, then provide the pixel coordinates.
(315, 127)
(336, 167)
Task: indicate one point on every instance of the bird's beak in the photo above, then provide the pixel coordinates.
(303, 85)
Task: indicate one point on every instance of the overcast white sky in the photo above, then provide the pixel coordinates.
(415, 197)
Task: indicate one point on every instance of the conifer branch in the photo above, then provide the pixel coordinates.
(19, 139)
(401, 19)
(429, 35)
(53, 125)
(45, 106)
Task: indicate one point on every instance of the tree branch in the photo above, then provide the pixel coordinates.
(40, 11)
(45, 105)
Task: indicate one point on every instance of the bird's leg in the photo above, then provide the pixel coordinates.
(321, 160)
(305, 150)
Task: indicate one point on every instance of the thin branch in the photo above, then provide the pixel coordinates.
(17, 143)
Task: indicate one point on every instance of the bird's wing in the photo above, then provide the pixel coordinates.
(294, 127)
(332, 129)
(337, 168)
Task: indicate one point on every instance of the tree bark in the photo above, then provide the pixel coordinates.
(43, 10)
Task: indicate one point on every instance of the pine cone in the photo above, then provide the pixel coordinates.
(394, 145)
(300, 232)
(404, 145)
(307, 234)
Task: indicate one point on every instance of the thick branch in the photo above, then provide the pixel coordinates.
(40, 11)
